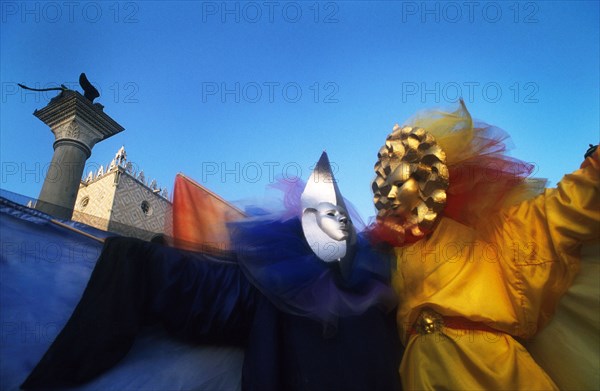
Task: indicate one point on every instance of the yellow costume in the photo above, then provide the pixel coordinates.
(489, 284)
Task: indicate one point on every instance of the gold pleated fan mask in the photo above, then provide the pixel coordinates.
(411, 181)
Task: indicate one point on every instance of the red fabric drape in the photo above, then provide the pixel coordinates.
(200, 217)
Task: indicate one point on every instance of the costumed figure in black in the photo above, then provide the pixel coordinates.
(307, 297)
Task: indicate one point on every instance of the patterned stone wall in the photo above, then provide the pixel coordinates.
(137, 210)
(93, 205)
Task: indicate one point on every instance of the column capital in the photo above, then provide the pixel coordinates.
(73, 118)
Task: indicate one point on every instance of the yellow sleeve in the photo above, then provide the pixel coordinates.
(541, 241)
(573, 209)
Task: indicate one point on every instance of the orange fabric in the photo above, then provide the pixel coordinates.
(200, 217)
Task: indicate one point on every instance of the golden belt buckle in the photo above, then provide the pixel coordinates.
(428, 322)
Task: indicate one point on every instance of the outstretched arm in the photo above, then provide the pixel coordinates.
(572, 210)
(544, 238)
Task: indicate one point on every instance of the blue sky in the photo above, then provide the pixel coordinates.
(235, 93)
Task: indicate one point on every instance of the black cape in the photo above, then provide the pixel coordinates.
(207, 299)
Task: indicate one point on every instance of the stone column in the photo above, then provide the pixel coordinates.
(77, 124)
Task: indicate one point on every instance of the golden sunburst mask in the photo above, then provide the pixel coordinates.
(411, 181)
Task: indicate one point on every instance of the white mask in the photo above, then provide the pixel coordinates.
(325, 221)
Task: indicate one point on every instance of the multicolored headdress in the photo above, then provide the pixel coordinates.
(441, 163)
